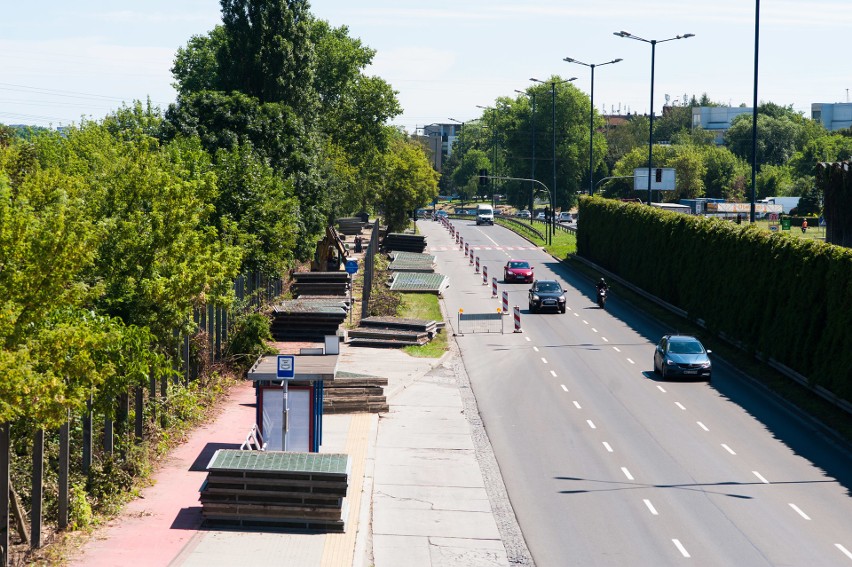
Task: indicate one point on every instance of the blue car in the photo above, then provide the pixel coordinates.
(682, 356)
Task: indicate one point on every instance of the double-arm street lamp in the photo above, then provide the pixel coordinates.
(493, 145)
(532, 122)
(553, 125)
(461, 134)
(591, 117)
(653, 43)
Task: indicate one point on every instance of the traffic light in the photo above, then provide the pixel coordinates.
(483, 177)
(659, 174)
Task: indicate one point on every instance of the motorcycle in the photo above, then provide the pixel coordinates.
(601, 298)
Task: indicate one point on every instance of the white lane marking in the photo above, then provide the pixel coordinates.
(527, 338)
(616, 349)
(681, 548)
(568, 308)
(663, 390)
(577, 404)
(591, 424)
(799, 511)
(544, 360)
(564, 387)
(607, 447)
(586, 322)
(680, 405)
(552, 373)
(606, 340)
(760, 476)
(594, 330)
(576, 314)
(702, 426)
(630, 361)
(535, 348)
(728, 449)
(651, 507)
(627, 473)
(843, 550)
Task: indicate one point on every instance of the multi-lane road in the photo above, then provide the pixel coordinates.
(605, 464)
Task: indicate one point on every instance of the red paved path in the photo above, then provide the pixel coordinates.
(153, 529)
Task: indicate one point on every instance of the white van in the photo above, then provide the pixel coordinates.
(484, 214)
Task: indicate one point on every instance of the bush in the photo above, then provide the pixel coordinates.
(249, 340)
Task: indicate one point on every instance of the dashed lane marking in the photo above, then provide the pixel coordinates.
(607, 447)
(651, 507)
(799, 511)
(728, 449)
(760, 477)
(702, 426)
(680, 405)
(681, 548)
(627, 473)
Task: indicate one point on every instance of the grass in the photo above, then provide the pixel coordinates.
(424, 306)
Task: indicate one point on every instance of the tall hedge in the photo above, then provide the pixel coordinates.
(781, 296)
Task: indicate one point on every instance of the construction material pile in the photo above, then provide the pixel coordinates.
(307, 319)
(405, 242)
(392, 332)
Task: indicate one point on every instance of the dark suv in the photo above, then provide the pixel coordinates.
(547, 294)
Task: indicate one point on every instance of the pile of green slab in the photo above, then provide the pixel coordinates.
(276, 490)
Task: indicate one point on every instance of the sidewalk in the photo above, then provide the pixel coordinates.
(417, 494)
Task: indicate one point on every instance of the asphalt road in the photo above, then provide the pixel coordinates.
(605, 464)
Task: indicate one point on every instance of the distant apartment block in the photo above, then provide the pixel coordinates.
(440, 139)
(834, 116)
(716, 119)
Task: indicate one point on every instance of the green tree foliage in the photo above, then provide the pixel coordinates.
(260, 205)
(775, 181)
(622, 139)
(408, 181)
(466, 175)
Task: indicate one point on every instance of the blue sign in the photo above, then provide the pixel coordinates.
(286, 367)
(351, 266)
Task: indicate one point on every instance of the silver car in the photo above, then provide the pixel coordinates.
(682, 356)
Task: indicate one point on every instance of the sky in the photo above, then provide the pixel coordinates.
(61, 62)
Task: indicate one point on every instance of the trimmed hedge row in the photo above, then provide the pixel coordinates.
(784, 297)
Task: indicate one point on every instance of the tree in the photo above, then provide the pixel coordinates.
(775, 181)
(466, 175)
(409, 181)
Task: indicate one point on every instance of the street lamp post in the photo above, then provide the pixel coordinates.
(532, 121)
(653, 43)
(553, 84)
(493, 146)
(591, 117)
(461, 134)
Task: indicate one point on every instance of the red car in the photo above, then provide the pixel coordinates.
(518, 271)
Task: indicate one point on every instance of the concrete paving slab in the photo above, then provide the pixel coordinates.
(445, 553)
(229, 548)
(426, 468)
(432, 498)
(436, 523)
(432, 440)
(401, 550)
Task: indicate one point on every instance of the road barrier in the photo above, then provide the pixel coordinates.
(494, 287)
(479, 322)
(518, 319)
(505, 301)
(477, 265)
(471, 256)
(465, 247)
(484, 275)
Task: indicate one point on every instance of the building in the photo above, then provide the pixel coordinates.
(716, 119)
(439, 139)
(834, 116)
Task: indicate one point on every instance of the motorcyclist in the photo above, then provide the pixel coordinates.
(601, 286)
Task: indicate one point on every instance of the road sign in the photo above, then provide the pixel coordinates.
(286, 367)
(351, 266)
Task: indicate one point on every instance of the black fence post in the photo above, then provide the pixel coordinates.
(37, 489)
(139, 411)
(64, 465)
(4, 493)
(87, 437)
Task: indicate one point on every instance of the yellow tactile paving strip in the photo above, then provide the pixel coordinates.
(339, 549)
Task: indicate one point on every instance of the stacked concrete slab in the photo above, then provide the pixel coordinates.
(307, 319)
(320, 283)
(405, 242)
(276, 489)
(391, 332)
(355, 393)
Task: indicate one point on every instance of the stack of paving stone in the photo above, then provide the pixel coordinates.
(391, 332)
(276, 489)
(320, 283)
(411, 262)
(307, 319)
(405, 242)
(350, 225)
(354, 393)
